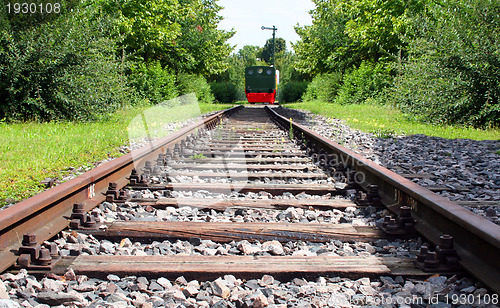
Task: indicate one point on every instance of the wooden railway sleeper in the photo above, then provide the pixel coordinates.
(444, 259)
(35, 256)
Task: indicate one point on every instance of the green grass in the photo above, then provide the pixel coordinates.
(31, 152)
(386, 121)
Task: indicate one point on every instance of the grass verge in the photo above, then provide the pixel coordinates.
(31, 152)
(385, 121)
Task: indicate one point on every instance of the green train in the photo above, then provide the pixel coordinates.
(261, 83)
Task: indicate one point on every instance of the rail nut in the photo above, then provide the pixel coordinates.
(401, 226)
(112, 192)
(29, 239)
(34, 256)
(431, 260)
(80, 219)
(168, 155)
(48, 182)
(30, 247)
(422, 254)
(148, 168)
(443, 260)
(136, 179)
(45, 258)
(360, 198)
(52, 247)
(77, 216)
(24, 260)
(161, 160)
(448, 256)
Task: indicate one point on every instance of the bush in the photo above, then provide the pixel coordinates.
(323, 87)
(224, 92)
(61, 70)
(367, 81)
(292, 91)
(452, 75)
(189, 83)
(152, 82)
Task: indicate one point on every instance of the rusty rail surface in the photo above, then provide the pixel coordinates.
(477, 240)
(47, 213)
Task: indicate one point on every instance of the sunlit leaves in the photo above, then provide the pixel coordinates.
(181, 34)
(345, 33)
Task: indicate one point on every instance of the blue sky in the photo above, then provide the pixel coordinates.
(246, 17)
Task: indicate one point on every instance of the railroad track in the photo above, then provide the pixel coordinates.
(258, 169)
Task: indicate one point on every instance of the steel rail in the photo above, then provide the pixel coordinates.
(47, 213)
(477, 240)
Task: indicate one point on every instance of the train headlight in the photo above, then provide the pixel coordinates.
(260, 70)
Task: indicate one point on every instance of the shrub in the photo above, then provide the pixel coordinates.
(224, 92)
(323, 87)
(367, 81)
(189, 83)
(152, 82)
(61, 70)
(292, 91)
(452, 75)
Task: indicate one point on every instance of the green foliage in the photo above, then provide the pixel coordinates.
(152, 82)
(284, 63)
(317, 49)
(19, 21)
(197, 156)
(248, 54)
(368, 81)
(190, 83)
(292, 91)
(64, 69)
(181, 34)
(345, 33)
(224, 92)
(267, 51)
(323, 87)
(453, 71)
(444, 53)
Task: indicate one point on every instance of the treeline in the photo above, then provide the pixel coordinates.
(438, 61)
(94, 56)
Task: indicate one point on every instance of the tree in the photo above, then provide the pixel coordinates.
(348, 32)
(181, 34)
(201, 43)
(267, 51)
(453, 71)
(248, 54)
(318, 49)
